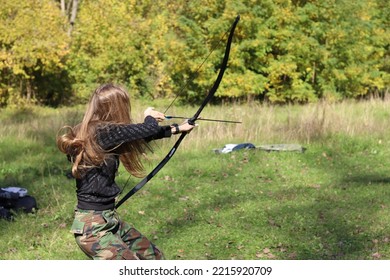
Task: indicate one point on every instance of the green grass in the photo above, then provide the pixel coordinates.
(331, 202)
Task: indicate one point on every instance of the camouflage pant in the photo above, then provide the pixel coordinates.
(103, 236)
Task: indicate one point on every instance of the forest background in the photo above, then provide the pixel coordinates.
(55, 52)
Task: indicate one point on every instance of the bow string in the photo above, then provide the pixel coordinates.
(191, 121)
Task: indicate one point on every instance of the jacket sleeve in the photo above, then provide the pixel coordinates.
(113, 135)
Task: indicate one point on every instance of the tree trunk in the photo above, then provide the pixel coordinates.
(73, 14)
(63, 9)
(28, 90)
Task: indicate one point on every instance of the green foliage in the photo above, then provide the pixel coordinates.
(321, 49)
(107, 46)
(283, 51)
(33, 46)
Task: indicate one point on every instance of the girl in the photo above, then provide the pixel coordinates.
(105, 137)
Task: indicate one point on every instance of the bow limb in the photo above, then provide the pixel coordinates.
(190, 121)
(220, 74)
(153, 172)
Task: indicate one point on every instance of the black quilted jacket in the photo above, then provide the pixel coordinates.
(96, 189)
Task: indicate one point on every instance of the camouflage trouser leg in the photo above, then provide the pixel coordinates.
(102, 235)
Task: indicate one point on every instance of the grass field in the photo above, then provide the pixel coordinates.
(330, 202)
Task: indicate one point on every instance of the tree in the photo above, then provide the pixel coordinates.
(306, 50)
(33, 45)
(69, 9)
(284, 51)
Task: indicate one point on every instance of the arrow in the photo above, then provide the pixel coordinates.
(200, 119)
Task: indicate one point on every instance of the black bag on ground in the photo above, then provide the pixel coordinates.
(14, 199)
(5, 214)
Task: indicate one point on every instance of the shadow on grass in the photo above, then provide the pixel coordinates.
(334, 222)
(368, 179)
(320, 231)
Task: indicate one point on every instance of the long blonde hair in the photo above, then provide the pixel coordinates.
(108, 104)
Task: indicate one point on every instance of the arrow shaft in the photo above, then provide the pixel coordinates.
(202, 119)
